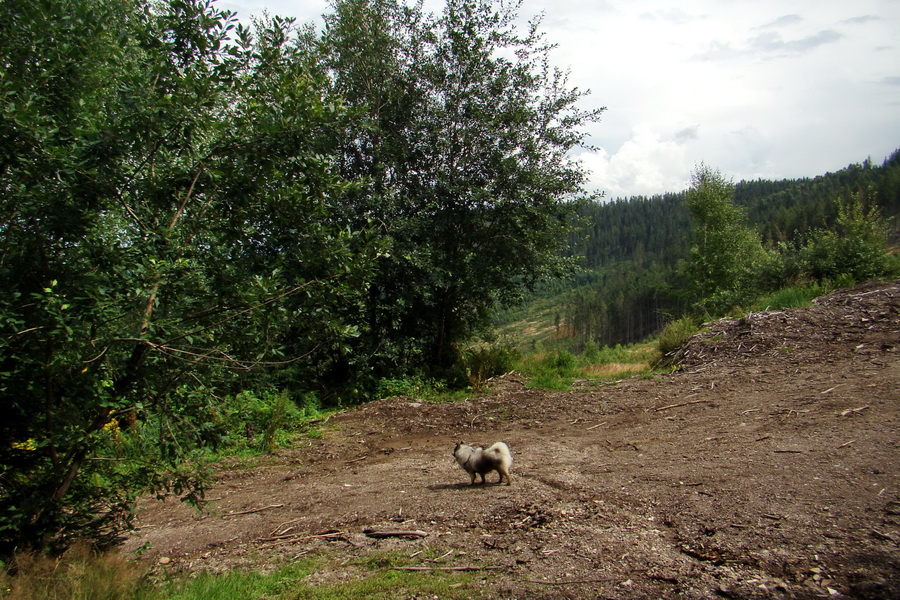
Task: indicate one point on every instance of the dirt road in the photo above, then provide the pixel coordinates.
(765, 467)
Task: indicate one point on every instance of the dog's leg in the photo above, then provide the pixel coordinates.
(504, 473)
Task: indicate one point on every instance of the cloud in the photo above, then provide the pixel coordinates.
(782, 21)
(861, 20)
(688, 133)
(648, 162)
(674, 16)
(772, 42)
(769, 44)
(894, 80)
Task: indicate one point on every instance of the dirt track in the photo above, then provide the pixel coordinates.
(766, 467)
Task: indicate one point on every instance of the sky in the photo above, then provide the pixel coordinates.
(768, 89)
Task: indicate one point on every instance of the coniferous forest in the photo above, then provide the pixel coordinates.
(631, 281)
(207, 228)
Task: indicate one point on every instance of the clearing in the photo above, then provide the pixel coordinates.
(766, 466)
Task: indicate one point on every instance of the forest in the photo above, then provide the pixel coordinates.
(207, 228)
(631, 279)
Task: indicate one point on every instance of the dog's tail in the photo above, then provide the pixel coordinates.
(500, 452)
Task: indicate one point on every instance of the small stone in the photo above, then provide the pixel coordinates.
(164, 560)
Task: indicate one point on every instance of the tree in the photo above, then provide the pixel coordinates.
(467, 158)
(855, 248)
(165, 222)
(726, 255)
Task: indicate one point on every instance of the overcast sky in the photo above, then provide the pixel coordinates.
(763, 88)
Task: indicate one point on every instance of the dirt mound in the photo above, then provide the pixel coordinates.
(766, 467)
(864, 317)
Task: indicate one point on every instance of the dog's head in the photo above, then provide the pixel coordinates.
(457, 448)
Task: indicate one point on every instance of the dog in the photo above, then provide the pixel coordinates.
(476, 460)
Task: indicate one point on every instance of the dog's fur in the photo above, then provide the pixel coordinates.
(481, 461)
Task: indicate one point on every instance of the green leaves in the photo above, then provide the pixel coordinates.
(725, 255)
(465, 155)
(167, 221)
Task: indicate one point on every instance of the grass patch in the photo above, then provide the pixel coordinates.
(84, 575)
(79, 574)
(791, 297)
(318, 578)
(557, 370)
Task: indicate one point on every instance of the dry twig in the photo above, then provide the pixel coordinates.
(680, 405)
(253, 510)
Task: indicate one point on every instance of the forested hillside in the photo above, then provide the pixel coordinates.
(630, 284)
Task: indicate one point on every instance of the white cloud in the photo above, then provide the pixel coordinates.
(648, 161)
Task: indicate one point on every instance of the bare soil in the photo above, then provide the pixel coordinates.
(766, 466)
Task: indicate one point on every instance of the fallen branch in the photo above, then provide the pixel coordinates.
(680, 405)
(883, 536)
(281, 540)
(853, 411)
(356, 460)
(575, 581)
(253, 510)
(435, 568)
(845, 444)
(596, 426)
(386, 534)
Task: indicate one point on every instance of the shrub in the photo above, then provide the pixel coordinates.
(250, 414)
(413, 386)
(675, 334)
(485, 362)
(856, 248)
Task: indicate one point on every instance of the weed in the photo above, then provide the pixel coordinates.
(79, 574)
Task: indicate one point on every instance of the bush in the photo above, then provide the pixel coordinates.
(255, 420)
(413, 386)
(856, 249)
(675, 334)
(485, 362)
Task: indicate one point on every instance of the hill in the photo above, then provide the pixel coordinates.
(765, 467)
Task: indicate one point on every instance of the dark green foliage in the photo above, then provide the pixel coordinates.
(786, 210)
(465, 158)
(165, 225)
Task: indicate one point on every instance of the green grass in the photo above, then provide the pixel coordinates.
(319, 578)
(558, 369)
(83, 575)
(791, 297)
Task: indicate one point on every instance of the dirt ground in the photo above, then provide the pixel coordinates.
(766, 466)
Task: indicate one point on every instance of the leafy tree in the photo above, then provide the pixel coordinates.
(856, 247)
(726, 256)
(165, 221)
(467, 160)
